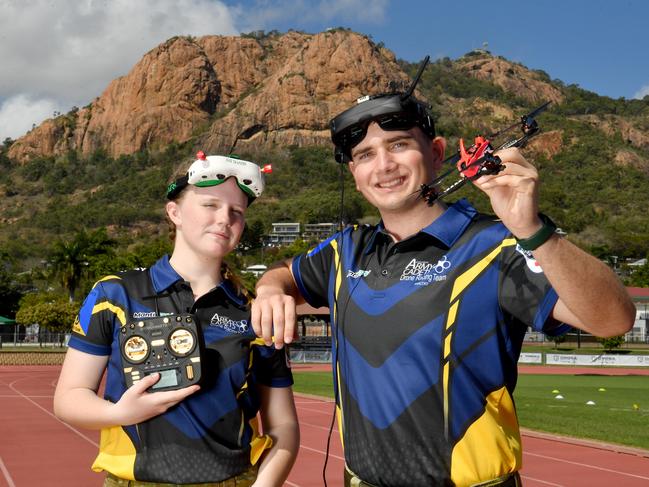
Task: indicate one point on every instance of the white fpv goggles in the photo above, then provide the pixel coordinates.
(214, 170)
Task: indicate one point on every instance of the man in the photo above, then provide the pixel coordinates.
(430, 307)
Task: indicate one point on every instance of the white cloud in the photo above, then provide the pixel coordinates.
(59, 54)
(642, 92)
(64, 53)
(19, 113)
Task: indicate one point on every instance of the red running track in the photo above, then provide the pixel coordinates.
(36, 449)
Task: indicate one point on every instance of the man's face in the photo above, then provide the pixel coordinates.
(390, 166)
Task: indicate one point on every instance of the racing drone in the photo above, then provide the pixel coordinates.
(479, 159)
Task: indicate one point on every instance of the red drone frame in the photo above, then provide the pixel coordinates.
(479, 159)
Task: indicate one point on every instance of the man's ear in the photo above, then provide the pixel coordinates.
(438, 146)
(173, 212)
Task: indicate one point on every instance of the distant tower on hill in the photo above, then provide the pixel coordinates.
(484, 49)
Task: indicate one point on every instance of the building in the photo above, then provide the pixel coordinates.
(283, 234)
(287, 233)
(640, 331)
(318, 231)
(257, 270)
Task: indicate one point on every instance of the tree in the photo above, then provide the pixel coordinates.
(297, 247)
(10, 288)
(639, 277)
(253, 235)
(611, 343)
(558, 340)
(9, 294)
(50, 310)
(69, 259)
(140, 255)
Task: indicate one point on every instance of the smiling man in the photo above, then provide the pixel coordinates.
(430, 307)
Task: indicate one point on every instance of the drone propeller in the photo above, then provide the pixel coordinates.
(525, 121)
(538, 110)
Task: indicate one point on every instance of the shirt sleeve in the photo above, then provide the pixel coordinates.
(102, 310)
(272, 367)
(526, 294)
(312, 272)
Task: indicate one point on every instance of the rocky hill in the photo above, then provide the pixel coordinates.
(273, 89)
(280, 89)
(271, 96)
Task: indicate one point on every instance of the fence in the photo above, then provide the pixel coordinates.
(42, 338)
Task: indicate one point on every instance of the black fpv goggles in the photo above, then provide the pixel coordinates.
(391, 111)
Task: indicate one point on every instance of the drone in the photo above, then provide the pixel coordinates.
(479, 160)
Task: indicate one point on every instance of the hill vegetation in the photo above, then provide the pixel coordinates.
(592, 156)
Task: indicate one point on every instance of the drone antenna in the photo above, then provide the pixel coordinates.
(407, 94)
(246, 134)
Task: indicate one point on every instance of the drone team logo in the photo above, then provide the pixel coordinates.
(423, 273)
(229, 324)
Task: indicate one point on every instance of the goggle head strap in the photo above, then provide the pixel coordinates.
(174, 189)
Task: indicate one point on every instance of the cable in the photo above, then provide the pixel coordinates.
(341, 228)
(340, 320)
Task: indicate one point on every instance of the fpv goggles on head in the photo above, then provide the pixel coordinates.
(391, 111)
(214, 170)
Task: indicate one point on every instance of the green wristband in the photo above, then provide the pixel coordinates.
(540, 237)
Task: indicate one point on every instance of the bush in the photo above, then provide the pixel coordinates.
(611, 343)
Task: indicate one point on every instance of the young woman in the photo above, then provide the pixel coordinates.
(156, 431)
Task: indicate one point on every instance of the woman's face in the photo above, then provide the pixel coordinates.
(209, 221)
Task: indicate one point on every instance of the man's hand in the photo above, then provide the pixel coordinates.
(603, 307)
(273, 318)
(273, 311)
(513, 193)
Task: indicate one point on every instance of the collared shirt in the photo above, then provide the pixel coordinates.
(211, 435)
(427, 334)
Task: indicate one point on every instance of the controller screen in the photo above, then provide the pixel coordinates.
(167, 378)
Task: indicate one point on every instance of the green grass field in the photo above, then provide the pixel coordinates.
(613, 418)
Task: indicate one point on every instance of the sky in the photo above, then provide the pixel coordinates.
(56, 54)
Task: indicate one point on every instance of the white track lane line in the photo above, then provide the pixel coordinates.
(527, 477)
(76, 431)
(322, 452)
(586, 465)
(5, 473)
(325, 428)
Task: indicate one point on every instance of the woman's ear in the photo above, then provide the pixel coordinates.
(173, 212)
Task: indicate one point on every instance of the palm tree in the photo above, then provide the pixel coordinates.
(69, 259)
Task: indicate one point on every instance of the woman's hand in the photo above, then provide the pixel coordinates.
(137, 404)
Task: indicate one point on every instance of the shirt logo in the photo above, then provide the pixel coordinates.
(228, 324)
(358, 273)
(531, 262)
(147, 314)
(144, 314)
(423, 273)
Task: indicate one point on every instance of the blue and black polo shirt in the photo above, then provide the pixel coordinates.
(211, 435)
(427, 334)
